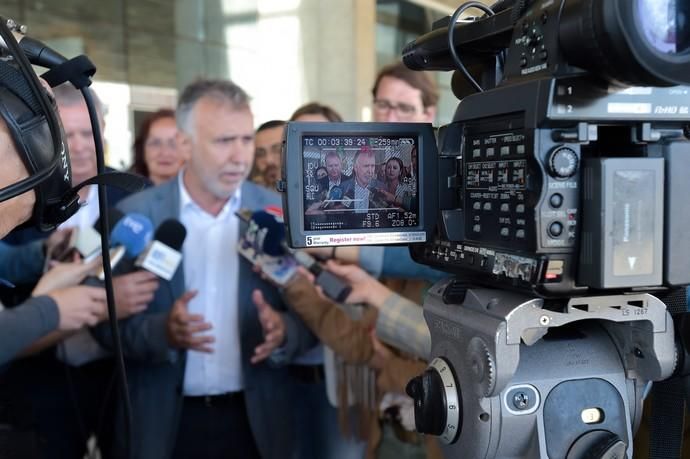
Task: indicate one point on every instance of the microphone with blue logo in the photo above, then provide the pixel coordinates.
(128, 238)
(335, 196)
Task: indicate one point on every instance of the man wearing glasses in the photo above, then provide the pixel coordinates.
(404, 95)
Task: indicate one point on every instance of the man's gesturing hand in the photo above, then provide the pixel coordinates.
(184, 328)
(272, 325)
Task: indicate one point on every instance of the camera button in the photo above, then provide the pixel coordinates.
(555, 229)
(556, 200)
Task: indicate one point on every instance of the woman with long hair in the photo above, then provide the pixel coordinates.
(396, 193)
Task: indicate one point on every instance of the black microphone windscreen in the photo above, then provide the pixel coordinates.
(171, 233)
(114, 216)
(275, 233)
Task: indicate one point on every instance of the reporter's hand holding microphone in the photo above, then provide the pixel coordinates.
(270, 242)
(78, 305)
(365, 288)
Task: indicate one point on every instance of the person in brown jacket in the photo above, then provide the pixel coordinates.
(358, 341)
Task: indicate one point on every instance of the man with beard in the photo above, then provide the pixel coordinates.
(199, 355)
(267, 156)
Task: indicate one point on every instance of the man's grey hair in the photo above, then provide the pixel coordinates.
(332, 154)
(222, 91)
(67, 95)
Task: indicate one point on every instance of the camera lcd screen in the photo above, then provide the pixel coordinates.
(354, 182)
(359, 183)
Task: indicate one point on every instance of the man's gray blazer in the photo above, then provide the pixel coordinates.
(156, 371)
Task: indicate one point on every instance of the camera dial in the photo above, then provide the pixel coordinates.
(563, 162)
(437, 404)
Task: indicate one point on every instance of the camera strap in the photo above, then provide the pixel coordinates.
(668, 399)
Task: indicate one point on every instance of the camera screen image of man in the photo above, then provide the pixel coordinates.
(360, 188)
(199, 354)
(334, 170)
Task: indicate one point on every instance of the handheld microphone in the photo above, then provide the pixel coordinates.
(163, 256)
(130, 236)
(335, 195)
(133, 232)
(271, 241)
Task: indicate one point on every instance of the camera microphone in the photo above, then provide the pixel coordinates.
(163, 256)
(36, 51)
(271, 241)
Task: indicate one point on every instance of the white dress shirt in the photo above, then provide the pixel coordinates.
(211, 267)
(332, 183)
(361, 198)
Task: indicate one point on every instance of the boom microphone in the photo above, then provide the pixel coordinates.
(37, 52)
(271, 241)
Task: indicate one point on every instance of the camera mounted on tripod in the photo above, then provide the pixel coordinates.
(558, 197)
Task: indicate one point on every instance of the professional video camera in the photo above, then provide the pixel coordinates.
(558, 197)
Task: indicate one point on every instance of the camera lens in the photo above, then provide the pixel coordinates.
(629, 42)
(664, 25)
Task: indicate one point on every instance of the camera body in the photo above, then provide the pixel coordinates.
(545, 189)
(560, 189)
(563, 179)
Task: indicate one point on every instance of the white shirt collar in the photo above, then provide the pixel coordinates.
(186, 200)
